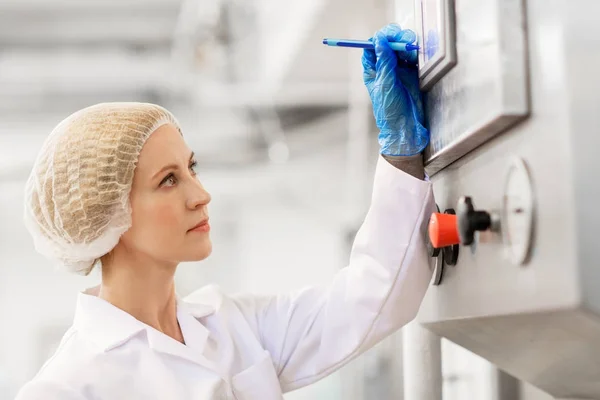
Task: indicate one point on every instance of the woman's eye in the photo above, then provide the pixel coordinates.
(169, 180)
(193, 166)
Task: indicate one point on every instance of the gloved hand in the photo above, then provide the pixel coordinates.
(393, 86)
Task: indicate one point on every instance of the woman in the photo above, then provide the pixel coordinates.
(116, 185)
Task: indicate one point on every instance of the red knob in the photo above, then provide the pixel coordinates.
(443, 230)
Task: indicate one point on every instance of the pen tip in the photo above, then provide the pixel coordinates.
(324, 41)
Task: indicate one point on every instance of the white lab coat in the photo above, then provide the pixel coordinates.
(249, 347)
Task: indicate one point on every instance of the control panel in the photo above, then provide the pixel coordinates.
(513, 222)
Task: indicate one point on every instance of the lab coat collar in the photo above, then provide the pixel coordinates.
(108, 326)
(104, 324)
(197, 310)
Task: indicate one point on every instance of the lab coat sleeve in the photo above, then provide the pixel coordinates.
(311, 333)
(40, 389)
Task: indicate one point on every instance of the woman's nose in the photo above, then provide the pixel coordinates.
(199, 197)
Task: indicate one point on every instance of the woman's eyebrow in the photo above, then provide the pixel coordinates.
(171, 166)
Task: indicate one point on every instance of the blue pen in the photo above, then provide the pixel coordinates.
(367, 44)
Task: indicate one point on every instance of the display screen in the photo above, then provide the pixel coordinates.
(430, 12)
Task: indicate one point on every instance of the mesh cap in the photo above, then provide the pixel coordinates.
(77, 195)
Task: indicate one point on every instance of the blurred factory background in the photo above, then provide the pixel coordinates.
(282, 126)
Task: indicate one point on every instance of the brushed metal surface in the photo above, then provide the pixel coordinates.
(487, 91)
(540, 322)
(557, 351)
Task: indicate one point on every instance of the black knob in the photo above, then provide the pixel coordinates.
(470, 220)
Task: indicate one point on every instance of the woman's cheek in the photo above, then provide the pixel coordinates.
(166, 217)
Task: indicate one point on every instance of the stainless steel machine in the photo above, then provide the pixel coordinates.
(513, 103)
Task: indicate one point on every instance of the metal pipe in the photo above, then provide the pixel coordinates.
(422, 363)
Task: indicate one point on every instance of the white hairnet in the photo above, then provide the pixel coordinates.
(77, 196)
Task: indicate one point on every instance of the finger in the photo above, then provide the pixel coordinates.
(369, 61)
(410, 80)
(408, 61)
(408, 36)
(410, 56)
(392, 31)
(386, 58)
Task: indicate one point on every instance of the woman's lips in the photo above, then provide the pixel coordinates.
(203, 226)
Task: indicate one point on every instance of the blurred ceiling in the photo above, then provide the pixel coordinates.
(60, 54)
(140, 24)
(233, 52)
(241, 74)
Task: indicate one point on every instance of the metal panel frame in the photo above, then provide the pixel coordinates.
(432, 70)
(487, 91)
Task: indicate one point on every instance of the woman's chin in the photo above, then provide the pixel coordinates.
(200, 253)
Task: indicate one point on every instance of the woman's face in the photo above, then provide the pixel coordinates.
(169, 204)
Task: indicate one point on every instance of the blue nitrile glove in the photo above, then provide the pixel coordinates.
(394, 89)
